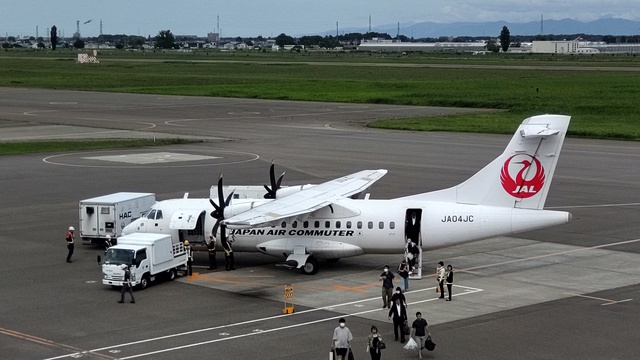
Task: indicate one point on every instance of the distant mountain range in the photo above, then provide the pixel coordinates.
(608, 26)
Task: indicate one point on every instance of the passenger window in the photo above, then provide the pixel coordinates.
(284, 224)
(381, 225)
(316, 224)
(305, 224)
(392, 225)
(294, 224)
(348, 224)
(370, 225)
(327, 224)
(359, 225)
(337, 224)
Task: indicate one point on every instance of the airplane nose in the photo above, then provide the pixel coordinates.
(131, 228)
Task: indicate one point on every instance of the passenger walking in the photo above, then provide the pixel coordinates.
(70, 242)
(387, 286)
(403, 271)
(399, 314)
(126, 285)
(342, 337)
(440, 274)
(449, 280)
(420, 330)
(399, 296)
(413, 254)
(211, 249)
(375, 344)
(189, 257)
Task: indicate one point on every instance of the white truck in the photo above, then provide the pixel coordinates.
(106, 216)
(148, 256)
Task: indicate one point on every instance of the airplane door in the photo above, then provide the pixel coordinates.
(413, 241)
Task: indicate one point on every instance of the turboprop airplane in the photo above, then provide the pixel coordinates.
(327, 221)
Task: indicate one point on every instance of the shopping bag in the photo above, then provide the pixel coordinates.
(406, 329)
(331, 355)
(437, 288)
(429, 344)
(350, 355)
(411, 344)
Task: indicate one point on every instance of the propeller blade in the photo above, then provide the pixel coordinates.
(275, 185)
(220, 194)
(215, 228)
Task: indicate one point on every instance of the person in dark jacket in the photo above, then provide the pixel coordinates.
(399, 314)
(449, 280)
(126, 285)
(399, 295)
(387, 286)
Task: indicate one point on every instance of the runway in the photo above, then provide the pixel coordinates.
(565, 292)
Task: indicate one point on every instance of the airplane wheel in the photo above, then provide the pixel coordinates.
(311, 266)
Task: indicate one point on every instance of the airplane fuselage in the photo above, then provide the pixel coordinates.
(354, 227)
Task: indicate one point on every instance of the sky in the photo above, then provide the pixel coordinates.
(269, 18)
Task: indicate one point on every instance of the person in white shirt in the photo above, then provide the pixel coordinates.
(342, 338)
(441, 277)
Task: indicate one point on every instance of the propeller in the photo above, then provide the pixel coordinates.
(218, 213)
(275, 185)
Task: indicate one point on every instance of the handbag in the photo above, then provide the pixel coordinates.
(429, 344)
(406, 329)
(381, 345)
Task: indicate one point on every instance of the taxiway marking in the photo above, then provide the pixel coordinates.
(468, 291)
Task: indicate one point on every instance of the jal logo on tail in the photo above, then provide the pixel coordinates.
(529, 178)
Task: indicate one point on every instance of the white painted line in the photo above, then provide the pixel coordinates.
(606, 301)
(468, 291)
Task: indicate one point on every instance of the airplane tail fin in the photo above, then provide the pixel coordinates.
(521, 176)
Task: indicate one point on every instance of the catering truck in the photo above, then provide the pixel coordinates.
(148, 256)
(104, 217)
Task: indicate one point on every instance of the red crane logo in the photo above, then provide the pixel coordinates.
(520, 187)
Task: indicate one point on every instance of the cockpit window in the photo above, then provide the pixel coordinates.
(151, 215)
(158, 214)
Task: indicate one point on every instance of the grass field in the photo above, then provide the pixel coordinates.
(604, 104)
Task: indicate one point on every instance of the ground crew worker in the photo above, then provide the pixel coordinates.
(70, 238)
(189, 257)
(126, 285)
(211, 248)
(229, 260)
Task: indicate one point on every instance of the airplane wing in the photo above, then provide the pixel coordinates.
(305, 201)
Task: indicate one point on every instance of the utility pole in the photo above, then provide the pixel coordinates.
(336, 30)
(369, 23)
